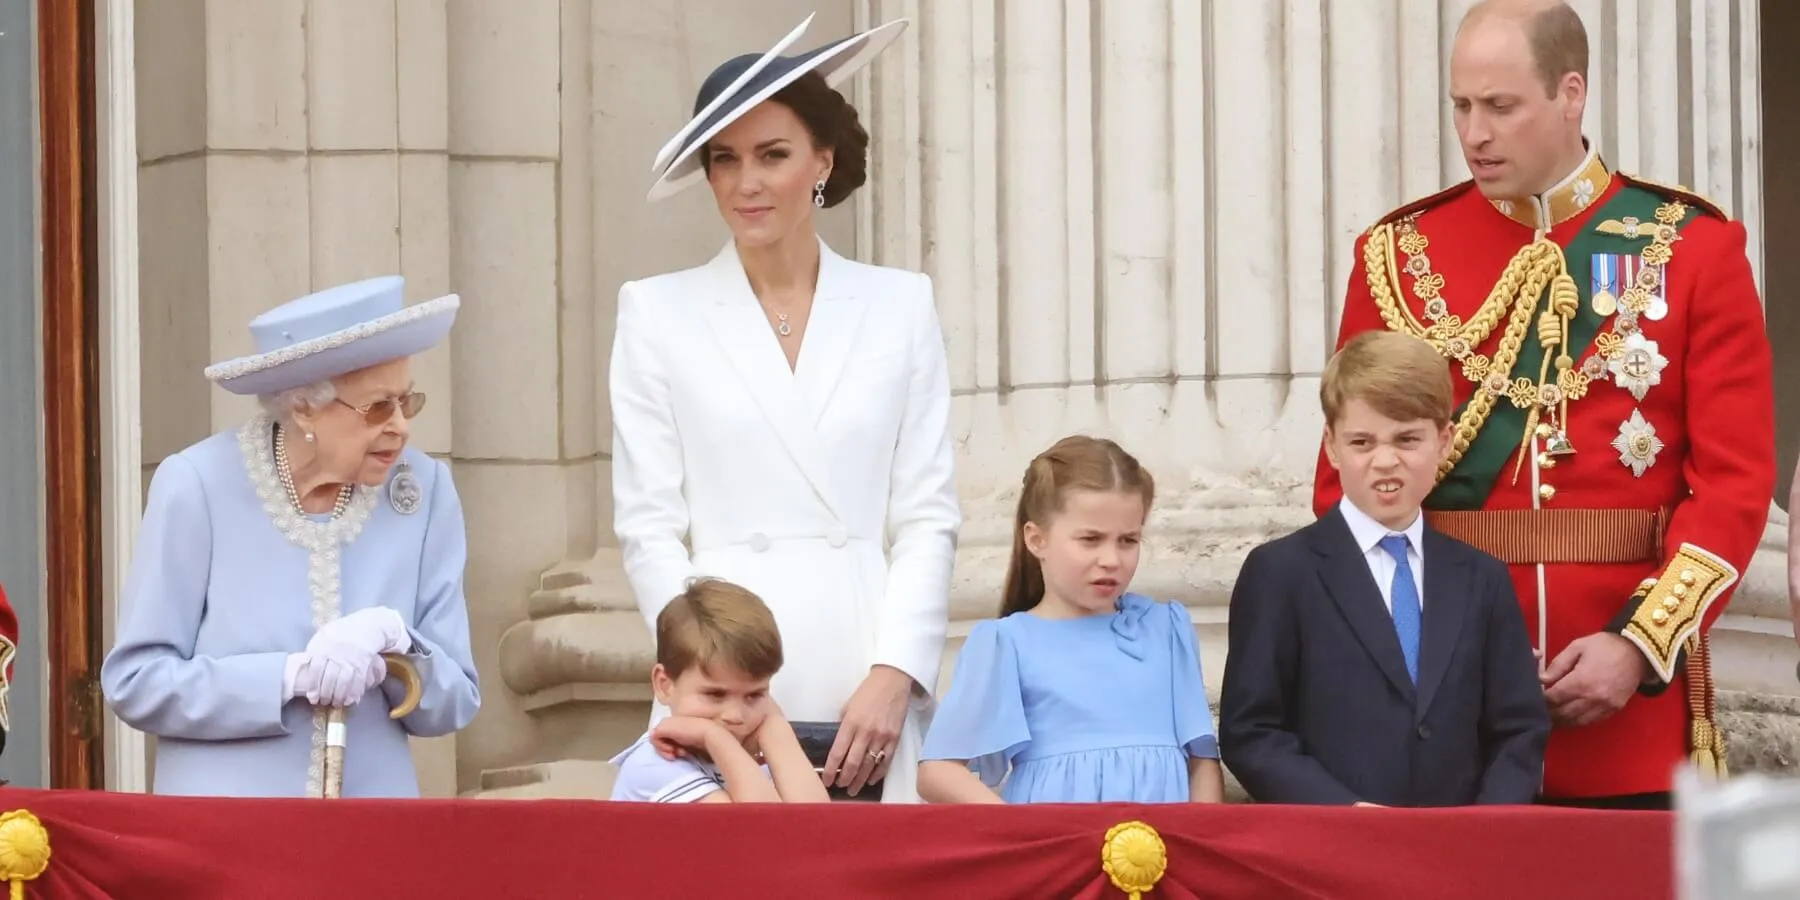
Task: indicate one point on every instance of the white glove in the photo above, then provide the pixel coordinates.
(299, 678)
(378, 628)
(345, 656)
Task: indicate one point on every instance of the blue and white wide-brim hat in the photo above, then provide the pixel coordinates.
(743, 82)
(335, 332)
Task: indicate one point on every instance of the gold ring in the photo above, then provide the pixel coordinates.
(878, 755)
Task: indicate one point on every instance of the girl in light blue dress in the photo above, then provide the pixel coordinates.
(1079, 692)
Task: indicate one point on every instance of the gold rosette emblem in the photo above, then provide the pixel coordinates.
(24, 850)
(1134, 857)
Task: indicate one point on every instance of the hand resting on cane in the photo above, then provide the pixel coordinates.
(343, 660)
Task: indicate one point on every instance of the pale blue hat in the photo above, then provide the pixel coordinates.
(334, 332)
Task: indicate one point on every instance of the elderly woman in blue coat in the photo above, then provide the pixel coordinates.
(278, 561)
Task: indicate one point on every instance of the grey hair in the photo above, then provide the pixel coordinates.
(282, 405)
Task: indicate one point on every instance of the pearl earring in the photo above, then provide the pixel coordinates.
(309, 437)
(819, 194)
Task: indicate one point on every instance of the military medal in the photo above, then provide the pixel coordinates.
(1646, 285)
(403, 490)
(1649, 279)
(1637, 444)
(1638, 365)
(1605, 270)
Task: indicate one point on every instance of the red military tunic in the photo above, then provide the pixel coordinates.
(1666, 403)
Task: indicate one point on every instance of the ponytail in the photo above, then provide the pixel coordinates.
(1024, 574)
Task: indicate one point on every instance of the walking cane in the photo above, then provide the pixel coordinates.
(398, 668)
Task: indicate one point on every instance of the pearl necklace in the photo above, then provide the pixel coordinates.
(286, 475)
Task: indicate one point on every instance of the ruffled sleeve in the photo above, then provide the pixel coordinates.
(1193, 718)
(982, 718)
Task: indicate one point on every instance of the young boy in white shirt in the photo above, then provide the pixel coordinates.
(724, 741)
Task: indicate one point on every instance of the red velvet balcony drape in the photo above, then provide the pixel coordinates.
(132, 846)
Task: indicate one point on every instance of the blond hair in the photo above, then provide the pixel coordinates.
(716, 622)
(1075, 463)
(1401, 376)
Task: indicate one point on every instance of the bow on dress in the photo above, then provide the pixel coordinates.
(1128, 624)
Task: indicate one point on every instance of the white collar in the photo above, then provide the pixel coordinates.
(1368, 532)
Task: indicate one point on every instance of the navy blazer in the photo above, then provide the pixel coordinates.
(1317, 706)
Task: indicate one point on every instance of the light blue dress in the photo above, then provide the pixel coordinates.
(220, 592)
(1097, 709)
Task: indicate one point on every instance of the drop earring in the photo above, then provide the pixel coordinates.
(819, 194)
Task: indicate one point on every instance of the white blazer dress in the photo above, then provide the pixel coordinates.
(828, 489)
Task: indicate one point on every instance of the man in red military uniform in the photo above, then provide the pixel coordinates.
(1615, 436)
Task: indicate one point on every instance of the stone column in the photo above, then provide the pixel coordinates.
(520, 224)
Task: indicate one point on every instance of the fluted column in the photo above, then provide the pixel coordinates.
(520, 220)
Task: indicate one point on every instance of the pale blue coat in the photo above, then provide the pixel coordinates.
(216, 599)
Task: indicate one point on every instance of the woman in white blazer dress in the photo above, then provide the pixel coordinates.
(781, 416)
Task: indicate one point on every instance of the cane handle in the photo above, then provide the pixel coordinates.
(402, 670)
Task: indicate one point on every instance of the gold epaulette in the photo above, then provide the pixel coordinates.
(1674, 606)
(1675, 192)
(1423, 203)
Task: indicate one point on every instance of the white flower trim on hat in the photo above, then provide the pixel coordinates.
(248, 365)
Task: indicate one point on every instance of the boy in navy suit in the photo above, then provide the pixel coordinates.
(1374, 661)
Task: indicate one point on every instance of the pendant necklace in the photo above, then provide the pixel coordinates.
(782, 327)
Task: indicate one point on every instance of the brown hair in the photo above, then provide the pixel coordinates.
(1553, 31)
(832, 123)
(1075, 463)
(717, 622)
(1559, 45)
(1399, 375)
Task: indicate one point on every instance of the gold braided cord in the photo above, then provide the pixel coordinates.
(1448, 328)
(1520, 285)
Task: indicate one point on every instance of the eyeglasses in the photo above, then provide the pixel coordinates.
(380, 411)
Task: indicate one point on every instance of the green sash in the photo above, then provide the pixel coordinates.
(1489, 455)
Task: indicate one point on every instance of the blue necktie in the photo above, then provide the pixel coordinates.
(1405, 596)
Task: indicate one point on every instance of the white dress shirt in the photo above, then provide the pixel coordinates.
(1368, 534)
